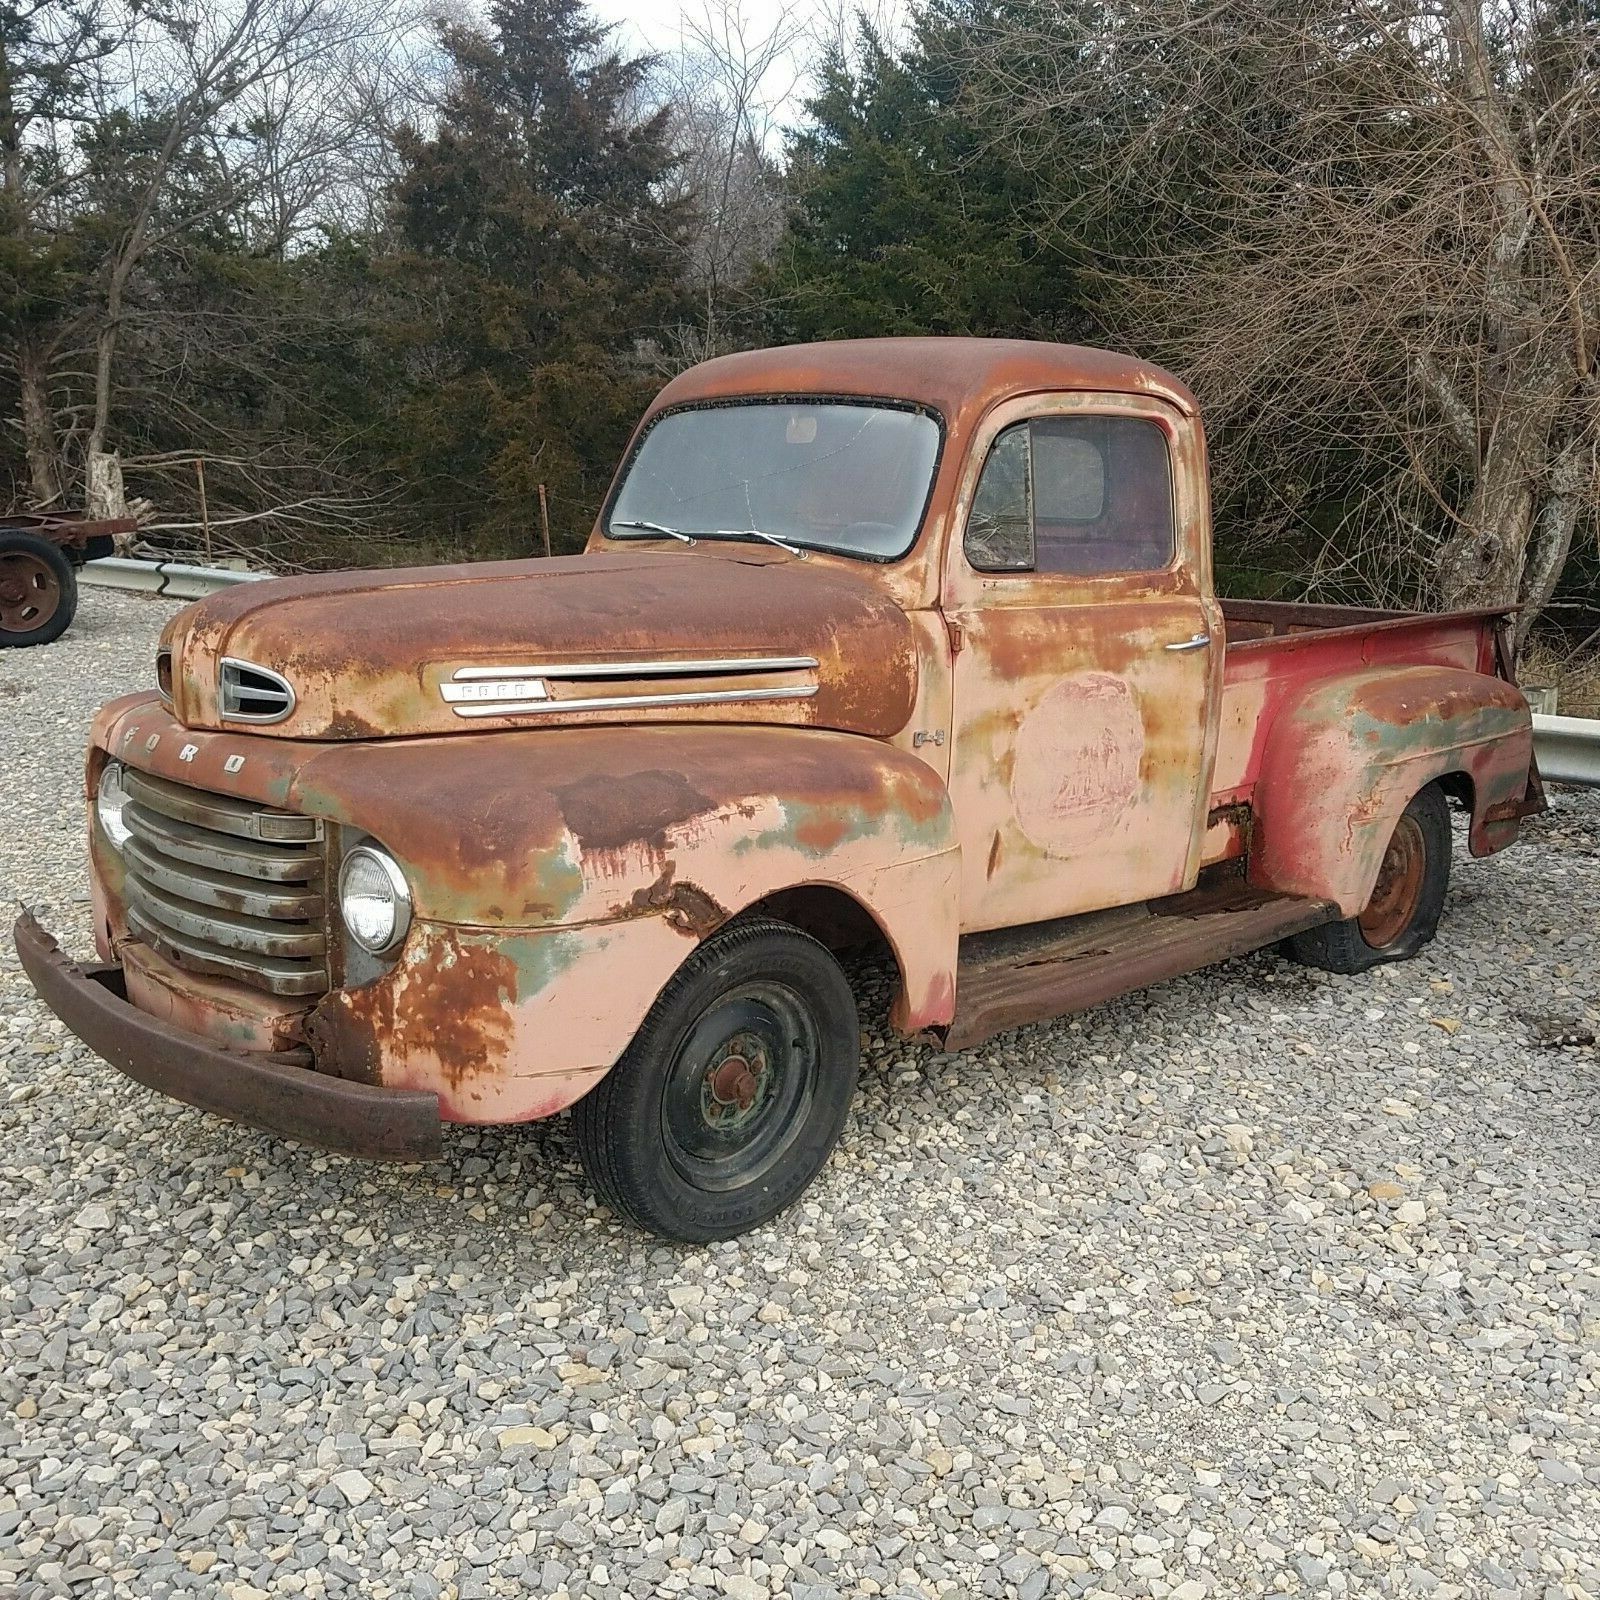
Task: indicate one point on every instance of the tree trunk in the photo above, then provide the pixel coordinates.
(1528, 459)
(105, 345)
(104, 495)
(1551, 534)
(38, 426)
(1481, 562)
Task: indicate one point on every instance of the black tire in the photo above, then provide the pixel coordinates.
(733, 1092)
(38, 589)
(1403, 921)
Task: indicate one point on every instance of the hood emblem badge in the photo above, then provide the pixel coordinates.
(508, 690)
(470, 691)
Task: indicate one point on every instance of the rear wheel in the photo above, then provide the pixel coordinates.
(38, 590)
(733, 1092)
(1407, 899)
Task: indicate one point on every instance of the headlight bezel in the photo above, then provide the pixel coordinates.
(108, 816)
(393, 876)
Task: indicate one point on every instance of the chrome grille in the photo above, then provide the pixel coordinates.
(222, 886)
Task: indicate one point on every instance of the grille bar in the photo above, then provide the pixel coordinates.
(182, 841)
(222, 886)
(229, 930)
(224, 890)
(223, 813)
(276, 977)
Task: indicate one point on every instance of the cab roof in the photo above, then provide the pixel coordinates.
(954, 376)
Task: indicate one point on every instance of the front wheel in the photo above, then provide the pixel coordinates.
(1403, 913)
(733, 1092)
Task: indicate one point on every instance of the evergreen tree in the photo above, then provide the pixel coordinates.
(906, 219)
(540, 258)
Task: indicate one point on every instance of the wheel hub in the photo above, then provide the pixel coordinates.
(1398, 891)
(29, 592)
(739, 1086)
(733, 1082)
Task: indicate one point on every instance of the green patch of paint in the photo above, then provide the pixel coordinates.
(540, 958)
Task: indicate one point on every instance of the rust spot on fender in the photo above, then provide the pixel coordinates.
(936, 1007)
(603, 814)
(685, 906)
(455, 1006)
(822, 830)
(995, 851)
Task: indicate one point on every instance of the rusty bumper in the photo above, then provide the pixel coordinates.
(271, 1092)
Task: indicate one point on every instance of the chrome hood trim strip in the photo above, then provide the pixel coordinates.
(639, 669)
(632, 702)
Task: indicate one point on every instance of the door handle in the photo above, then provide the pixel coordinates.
(1197, 642)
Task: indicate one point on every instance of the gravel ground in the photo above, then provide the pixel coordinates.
(1263, 1282)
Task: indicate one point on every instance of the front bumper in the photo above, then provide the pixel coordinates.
(272, 1092)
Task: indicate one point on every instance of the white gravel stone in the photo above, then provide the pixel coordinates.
(1264, 1277)
(353, 1486)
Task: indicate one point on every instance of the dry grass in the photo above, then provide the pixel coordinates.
(1575, 675)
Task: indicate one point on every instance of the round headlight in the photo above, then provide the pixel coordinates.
(109, 800)
(373, 899)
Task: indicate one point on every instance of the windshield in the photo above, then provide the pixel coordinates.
(851, 478)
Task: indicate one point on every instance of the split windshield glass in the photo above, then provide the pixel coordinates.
(852, 478)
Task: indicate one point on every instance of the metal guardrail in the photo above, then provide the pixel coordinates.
(176, 579)
(1568, 749)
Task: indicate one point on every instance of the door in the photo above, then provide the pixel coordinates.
(1078, 590)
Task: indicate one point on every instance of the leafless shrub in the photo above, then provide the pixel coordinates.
(1368, 231)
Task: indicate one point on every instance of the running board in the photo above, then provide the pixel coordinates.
(1048, 969)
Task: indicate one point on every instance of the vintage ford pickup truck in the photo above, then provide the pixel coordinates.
(913, 641)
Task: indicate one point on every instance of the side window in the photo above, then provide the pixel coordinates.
(1000, 529)
(1090, 495)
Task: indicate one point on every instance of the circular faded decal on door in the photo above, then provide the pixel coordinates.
(1076, 772)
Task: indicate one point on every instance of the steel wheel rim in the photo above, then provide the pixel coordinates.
(1398, 891)
(30, 593)
(740, 1087)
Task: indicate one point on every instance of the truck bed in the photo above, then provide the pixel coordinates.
(1267, 623)
(1275, 645)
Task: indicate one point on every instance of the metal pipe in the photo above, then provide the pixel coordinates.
(1568, 749)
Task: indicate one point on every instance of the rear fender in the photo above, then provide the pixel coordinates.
(1345, 759)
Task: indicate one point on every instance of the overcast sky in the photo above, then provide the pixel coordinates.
(658, 25)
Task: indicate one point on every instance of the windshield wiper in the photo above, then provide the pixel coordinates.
(769, 538)
(651, 527)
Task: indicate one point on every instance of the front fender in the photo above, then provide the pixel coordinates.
(560, 877)
(1345, 759)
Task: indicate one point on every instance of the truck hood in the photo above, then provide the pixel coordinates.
(660, 636)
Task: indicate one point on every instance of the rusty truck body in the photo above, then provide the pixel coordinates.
(908, 640)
